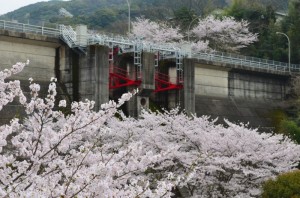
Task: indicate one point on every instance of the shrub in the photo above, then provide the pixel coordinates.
(290, 129)
(286, 185)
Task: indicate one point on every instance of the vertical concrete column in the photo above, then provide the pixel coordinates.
(81, 35)
(148, 72)
(75, 61)
(189, 86)
(173, 95)
(102, 76)
(65, 59)
(137, 103)
(93, 75)
(148, 81)
(63, 74)
(132, 107)
(69, 71)
(173, 99)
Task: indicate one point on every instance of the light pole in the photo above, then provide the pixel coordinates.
(289, 43)
(190, 27)
(128, 3)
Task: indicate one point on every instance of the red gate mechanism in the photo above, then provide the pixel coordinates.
(162, 83)
(119, 77)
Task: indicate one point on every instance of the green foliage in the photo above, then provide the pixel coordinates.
(286, 123)
(102, 18)
(291, 26)
(154, 107)
(183, 16)
(279, 5)
(262, 21)
(291, 129)
(112, 16)
(277, 116)
(261, 15)
(286, 185)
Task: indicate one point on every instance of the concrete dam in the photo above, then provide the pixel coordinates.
(101, 67)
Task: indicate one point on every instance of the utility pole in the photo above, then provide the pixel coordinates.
(128, 3)
(289, 43)
(188, 31)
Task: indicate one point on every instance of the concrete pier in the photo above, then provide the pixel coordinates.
(189, 86)
(93, 71)
(141, 100)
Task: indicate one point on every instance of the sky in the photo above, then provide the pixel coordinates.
(10, 5)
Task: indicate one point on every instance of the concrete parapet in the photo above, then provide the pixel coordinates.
(29, 38)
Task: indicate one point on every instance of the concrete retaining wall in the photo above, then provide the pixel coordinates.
(224, 82)
(210, 81)
(257, 113)
(42, 59)
(238, 95)
(256, 85)
(47, 58)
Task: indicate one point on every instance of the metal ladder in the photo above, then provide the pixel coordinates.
(138, 59)
(179, 67)
(156, 59)
(111, 53)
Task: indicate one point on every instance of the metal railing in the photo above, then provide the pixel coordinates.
(103, 39)
(248, 62)
(26, 28)
(68, 34)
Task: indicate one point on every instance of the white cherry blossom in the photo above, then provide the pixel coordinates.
(106, 154)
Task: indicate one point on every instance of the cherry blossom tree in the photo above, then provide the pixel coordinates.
(221, 161)
(98, 154)
(225, 34)
(50, 154)
(211, 33)
(155, 32)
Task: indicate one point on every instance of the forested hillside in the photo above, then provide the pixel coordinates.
(110, 15)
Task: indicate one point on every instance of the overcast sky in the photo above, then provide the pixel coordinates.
(10, 5)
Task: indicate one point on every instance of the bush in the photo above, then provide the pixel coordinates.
(286, 185)
(291, 129)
